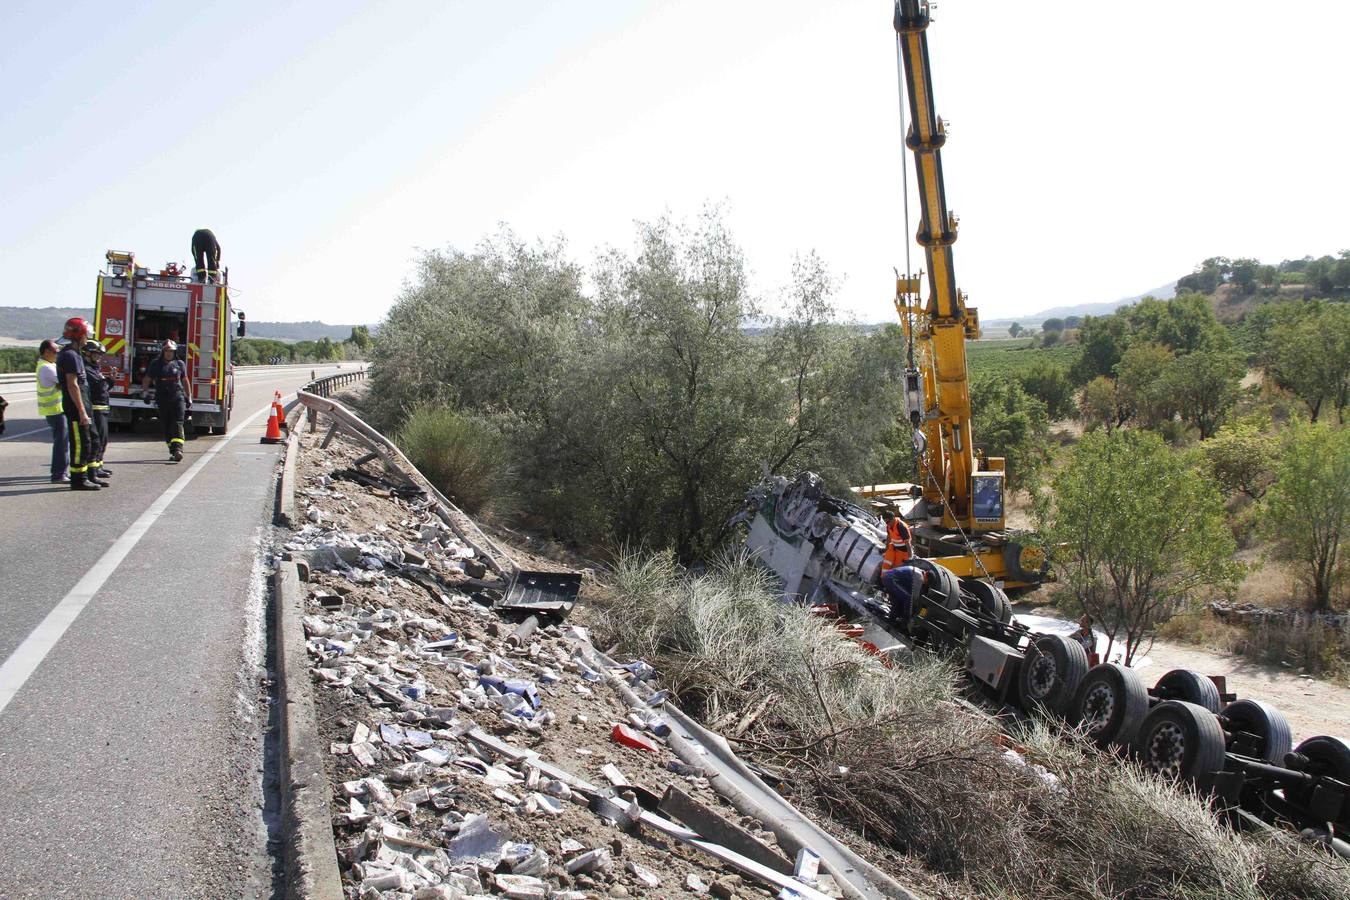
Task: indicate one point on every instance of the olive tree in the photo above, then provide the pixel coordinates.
(1242, 458)
(1142, 385)
(1306, 512)
(484, 331)
(1204, 386)
(1307, 352)
(1140, 532)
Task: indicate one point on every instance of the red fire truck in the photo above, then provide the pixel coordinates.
(136, 310)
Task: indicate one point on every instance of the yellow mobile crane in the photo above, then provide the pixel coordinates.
(957, 509)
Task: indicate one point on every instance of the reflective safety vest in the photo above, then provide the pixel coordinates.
(898, 550)
(49, 399)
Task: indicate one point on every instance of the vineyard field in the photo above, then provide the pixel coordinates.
(1008, 358)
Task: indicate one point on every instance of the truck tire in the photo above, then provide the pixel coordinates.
(1266, 725)
(1329, 757)
(1192, 687)
(942, 584)
(1050, 673)
(989, 600)
(1012, 565)
(1180, 740)
(1111, 701)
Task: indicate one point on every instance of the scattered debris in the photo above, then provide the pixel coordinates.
(475, 749)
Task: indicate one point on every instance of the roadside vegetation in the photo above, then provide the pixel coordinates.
(893, 756)
(17, 359)
(253, 351)
(633, 403)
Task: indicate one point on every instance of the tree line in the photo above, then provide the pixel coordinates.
(253, 351)
(1328, 275)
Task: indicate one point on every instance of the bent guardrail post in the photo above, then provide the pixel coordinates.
(397, 462)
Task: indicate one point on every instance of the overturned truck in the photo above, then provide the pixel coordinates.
(828, 552)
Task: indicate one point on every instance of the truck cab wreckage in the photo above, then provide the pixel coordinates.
(828, 553)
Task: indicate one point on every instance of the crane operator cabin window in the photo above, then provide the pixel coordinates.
(988, 496)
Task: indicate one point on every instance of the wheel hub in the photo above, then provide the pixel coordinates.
(1044, 674)
(1166, 747)
(1098, 707)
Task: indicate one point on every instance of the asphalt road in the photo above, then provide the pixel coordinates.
(131, 653)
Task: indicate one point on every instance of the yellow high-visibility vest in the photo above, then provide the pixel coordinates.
(49, 399)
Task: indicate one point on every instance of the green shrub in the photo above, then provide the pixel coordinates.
(463, 456)
(17, 359)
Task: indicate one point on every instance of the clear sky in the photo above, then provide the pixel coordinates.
(1096, 150)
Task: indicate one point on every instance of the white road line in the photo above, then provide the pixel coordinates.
(11, 437)
(23, 662)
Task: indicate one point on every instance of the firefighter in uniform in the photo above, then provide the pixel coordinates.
(169, 376)
(901, 582)
(206, 254)
(75, 404)
(99, 392)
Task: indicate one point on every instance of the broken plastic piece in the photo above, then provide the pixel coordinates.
(629, 738)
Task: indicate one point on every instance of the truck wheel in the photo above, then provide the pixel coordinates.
(989, 600)
(1269, 739)
(942, 584)
(1192, 687)
(1180, 740)
(1111, 701)
(1329, 757)
(1050, 673)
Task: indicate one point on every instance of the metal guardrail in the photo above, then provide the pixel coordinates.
(330, 384)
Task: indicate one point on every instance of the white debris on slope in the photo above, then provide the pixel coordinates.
(413, 667)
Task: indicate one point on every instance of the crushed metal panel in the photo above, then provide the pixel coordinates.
(543, 591)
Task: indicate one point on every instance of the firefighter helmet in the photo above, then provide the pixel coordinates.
(93, 346)
(77, 329)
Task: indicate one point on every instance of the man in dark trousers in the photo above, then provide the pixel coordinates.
(206, 254)
(75, 403)
(100, 388)
(172, 396)
(903, 585)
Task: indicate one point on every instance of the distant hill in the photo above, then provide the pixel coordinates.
(27, 323)
(1163, 292)
(300, 331)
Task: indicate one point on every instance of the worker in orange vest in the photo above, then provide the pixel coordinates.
(899, 538)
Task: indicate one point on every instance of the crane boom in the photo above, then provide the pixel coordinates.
(948, 467)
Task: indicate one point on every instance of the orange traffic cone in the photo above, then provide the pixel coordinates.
(273, 435)
(281, 413)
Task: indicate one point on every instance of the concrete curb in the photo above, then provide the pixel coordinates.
(310, 856)
(284, 514)
(285, 511)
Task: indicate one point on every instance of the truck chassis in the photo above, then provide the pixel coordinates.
(1187, 727)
